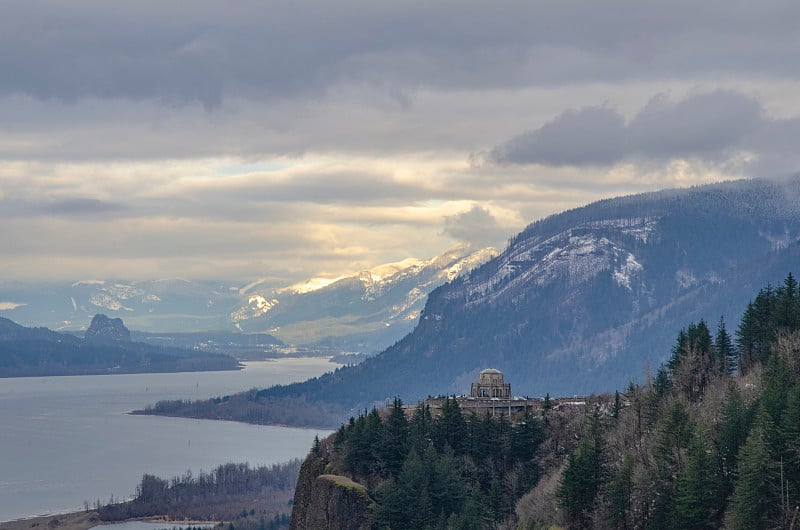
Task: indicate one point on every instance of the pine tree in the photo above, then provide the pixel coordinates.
(395, 438)
(756, 493)
(420, 428)
(450, 428)
(619, 495)
(725, 353)
(786, 314)
(583, 476)
(790, 431)
(475, 513)
(697, 493)
(732, 432)
(617, 405)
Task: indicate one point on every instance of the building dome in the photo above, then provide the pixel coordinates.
(491, 385)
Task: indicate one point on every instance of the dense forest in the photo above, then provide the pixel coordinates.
(711, 440)
(698, 447)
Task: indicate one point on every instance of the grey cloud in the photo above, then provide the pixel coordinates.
(477, 226)
(335, 187)
(20, 207)
(711, 126)
(81, 207)
(699, 124)
(594, 135)
(211, 51)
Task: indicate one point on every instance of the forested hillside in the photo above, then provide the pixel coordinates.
(588, 299)
(698, 447)
(579, 302)
(40, 351)
(711, 440)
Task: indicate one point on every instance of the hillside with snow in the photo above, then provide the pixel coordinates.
(362, 312)
(365, 311)
(590, 298)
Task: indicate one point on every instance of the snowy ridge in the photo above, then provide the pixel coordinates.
(576, 255)
(389, 296)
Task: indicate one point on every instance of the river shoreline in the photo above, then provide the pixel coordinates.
(84, 520)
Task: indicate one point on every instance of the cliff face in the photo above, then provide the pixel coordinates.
(103, 328)
(324, 500)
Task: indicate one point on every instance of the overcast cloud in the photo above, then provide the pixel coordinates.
(245, 139)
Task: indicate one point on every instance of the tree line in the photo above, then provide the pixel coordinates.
(453, 470)
(247, 497)
(713, 440)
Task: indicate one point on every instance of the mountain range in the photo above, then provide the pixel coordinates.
(587, 299)
(362, 312)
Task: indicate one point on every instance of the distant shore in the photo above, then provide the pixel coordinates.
(82, 521)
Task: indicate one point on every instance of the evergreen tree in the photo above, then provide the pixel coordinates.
(450, 428)
(619, 495)
(446, 484)
(399, 499)
(786, 314)
(756, 493)
(697, 494)
(726, 356)
(615, 408)
(756, 330)
(475, 514)
(790, 432)
(395, 438)
(673, 440)
(732, 432)
(526, 438)
(583, 476)
(777, 380)
(420, 428)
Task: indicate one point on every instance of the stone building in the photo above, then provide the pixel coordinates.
(491, 395)
(490, 385)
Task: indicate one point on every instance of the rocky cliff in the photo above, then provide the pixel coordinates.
(103, 328)
(326, 500)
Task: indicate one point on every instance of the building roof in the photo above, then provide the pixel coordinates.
(491, 371)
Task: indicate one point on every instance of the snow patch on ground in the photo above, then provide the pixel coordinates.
(624, 273)
(685, 278)
(108, 302)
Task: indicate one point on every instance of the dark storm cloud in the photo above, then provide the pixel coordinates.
(477, 226)
(711, 126)
(206, 51)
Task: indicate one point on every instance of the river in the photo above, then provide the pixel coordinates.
(66, 440)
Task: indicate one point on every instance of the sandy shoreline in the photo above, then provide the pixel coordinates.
(80, 521)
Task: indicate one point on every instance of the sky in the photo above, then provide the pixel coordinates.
(285, 140)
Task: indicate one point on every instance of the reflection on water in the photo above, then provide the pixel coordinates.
(67, 440)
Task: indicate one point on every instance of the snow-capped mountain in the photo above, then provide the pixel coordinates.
(364, 311)
(590, 298)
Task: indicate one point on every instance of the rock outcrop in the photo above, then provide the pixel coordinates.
(326, 500)
(103, 328)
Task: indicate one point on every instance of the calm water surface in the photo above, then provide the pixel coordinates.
(66, 440)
